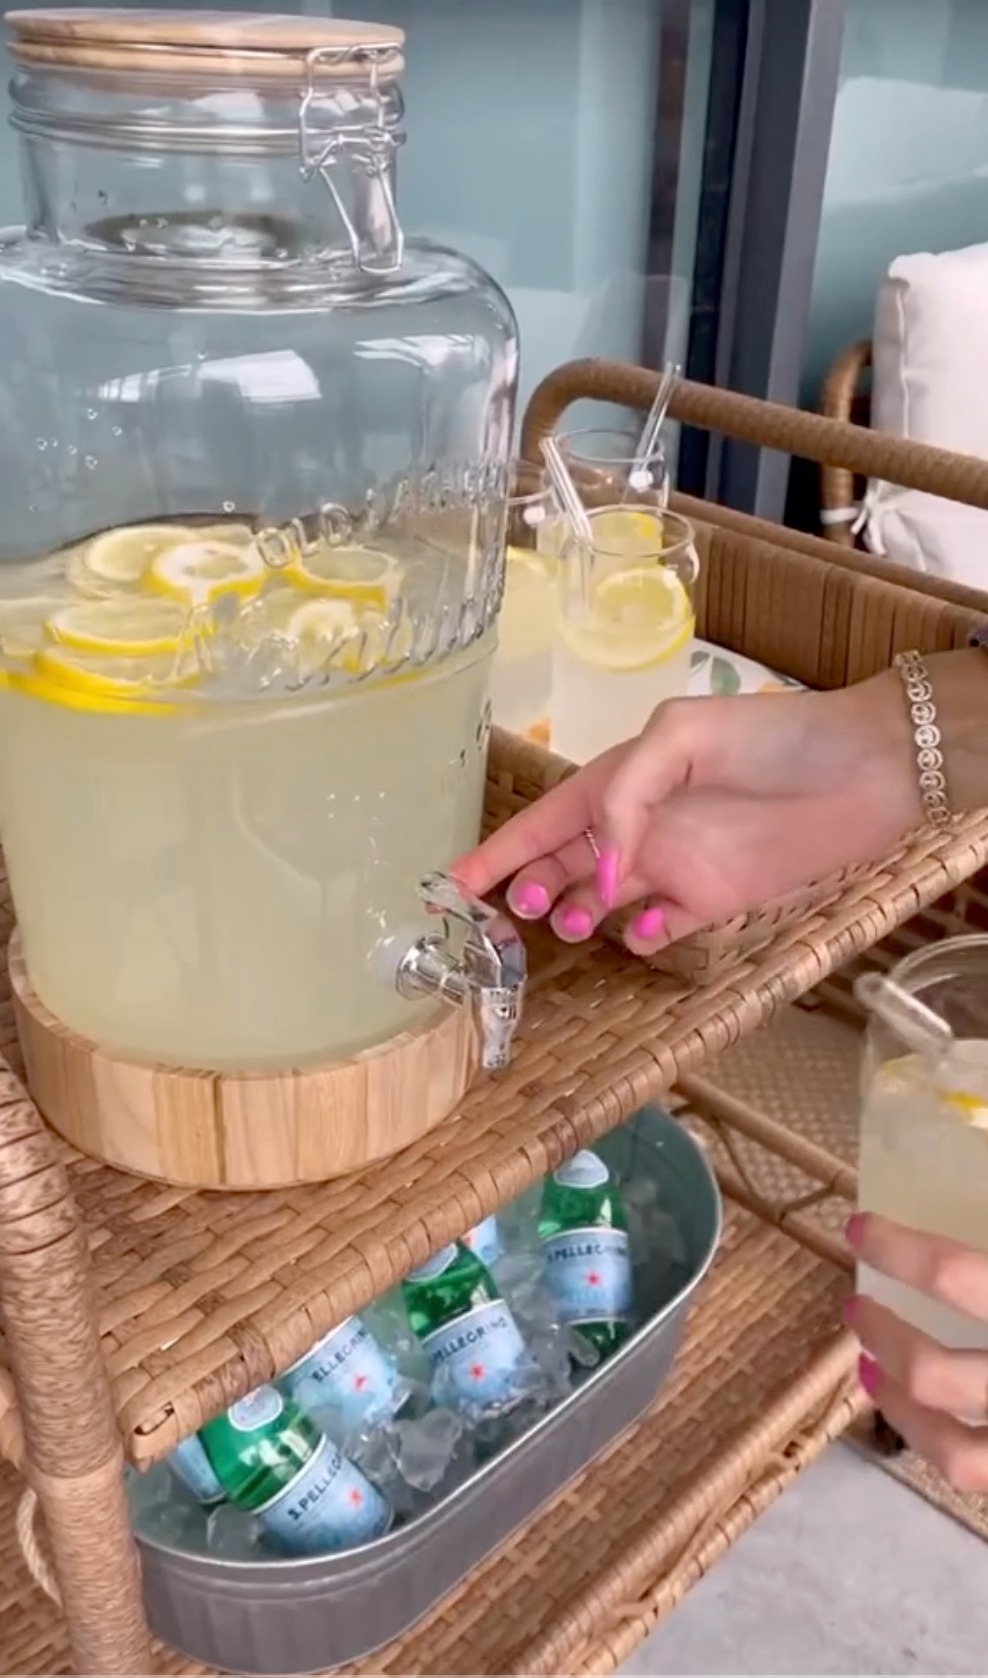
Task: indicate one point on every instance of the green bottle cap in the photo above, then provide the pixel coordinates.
(583, 1171)
(261, 1407)
(434, 1266)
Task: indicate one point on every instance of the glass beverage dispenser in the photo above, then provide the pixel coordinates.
(254, 481)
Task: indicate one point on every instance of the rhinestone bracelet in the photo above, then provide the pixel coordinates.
(929, 757)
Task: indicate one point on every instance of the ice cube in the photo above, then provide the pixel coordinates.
(641, 1197)
(164, 1511)
(232, 1533)
(550, 1352)
(376, 1454)
(426, 1446)
(582, 1352)
(521, 1277)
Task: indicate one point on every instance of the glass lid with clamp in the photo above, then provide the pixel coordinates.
(254, 488)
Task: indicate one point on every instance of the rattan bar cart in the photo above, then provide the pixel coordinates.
(132, 1312)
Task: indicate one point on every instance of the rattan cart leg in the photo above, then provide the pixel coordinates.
(72, 1449)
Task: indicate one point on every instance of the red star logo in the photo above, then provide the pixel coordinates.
(356, 1497)
(359, 1383)
(477, 1372)
(593, 1278)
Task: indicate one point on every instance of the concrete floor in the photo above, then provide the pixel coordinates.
(849, 1572)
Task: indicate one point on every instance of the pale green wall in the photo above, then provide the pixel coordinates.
(909, 159)
(531, 133)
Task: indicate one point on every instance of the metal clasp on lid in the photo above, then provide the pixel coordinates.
(490, 967)
(364, 149)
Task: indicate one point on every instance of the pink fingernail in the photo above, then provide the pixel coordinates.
(649, 924)
(869, 1375)
(531, 899)
(854, 1229)
(608, 867)
(576, 922)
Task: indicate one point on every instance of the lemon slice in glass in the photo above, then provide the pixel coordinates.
(324, 630)
(638, 618)
(360, 575)
(128, 627)
(971, 1109)
(632, 532)
(23, 624)
(525, 626)
(198, 572)
(121, 558)
(81, 682)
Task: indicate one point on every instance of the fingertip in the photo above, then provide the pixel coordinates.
(869, 1375)
(529, 899)
(648, 930)
(854, 1229)
(608, 874)
(650, 924)
(573, 924)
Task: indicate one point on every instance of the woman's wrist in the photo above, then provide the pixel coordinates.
(960, 693)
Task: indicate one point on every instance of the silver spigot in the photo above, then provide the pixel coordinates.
(489, 964)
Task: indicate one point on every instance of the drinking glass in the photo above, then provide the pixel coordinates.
(601, 464)
(624, 629)
(924, 1128)
(522, 672)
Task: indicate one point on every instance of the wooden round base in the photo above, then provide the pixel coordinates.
(242, 1130)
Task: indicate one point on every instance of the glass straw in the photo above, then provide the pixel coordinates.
(918, 1027)
(572, 508)
(638, 476)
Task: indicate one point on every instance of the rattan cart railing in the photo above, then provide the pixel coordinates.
(132, 1312)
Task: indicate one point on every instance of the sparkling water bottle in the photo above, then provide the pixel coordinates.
(584, 1235)
(272, 1460)
(484, 1241)
(349, 1373)
(472, 1341)
(190, 1464)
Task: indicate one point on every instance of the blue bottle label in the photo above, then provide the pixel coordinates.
(478, 1358)
(329, 1505)
(484, 1241)
(588, 1273)
(191, 1465)
(349, 1372)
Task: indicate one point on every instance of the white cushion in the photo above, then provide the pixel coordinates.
(930, 385)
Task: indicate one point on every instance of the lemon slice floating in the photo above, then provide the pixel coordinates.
(638, 619)
(973, 1109)
(321, 631)
(360, 575)
(127, 627)
(122, 558)
(631, 532)
(197, 573)
(23, 625)
(525, 627)
(76, 680)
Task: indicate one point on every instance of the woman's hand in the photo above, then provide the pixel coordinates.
(921, 1388)
(718, 806)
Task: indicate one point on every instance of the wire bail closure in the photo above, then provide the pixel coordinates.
(364, 150)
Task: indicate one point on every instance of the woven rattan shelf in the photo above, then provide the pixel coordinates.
(145, 1309)
(761, 1387)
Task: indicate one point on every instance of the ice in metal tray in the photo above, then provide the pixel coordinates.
(307, 1614)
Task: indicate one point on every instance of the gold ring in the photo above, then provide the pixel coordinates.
(591, 841)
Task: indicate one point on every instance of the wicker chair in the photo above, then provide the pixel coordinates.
(845, 396)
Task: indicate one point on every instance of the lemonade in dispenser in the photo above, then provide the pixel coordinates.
(252, 553)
